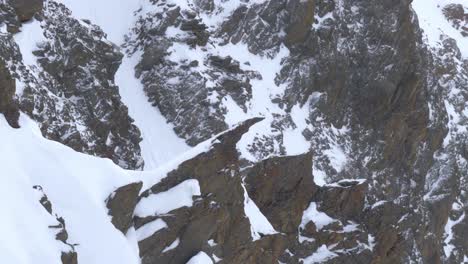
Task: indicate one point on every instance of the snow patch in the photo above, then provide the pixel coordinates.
(161, 203)
(448, 247)
(172, 245)
(320, 219)
(321, 255)
(200, 258)
(259, 224)
(149, 229)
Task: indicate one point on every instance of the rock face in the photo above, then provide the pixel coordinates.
(217, 213)
(121, 204)
(70, 89)
(26, 9)
(8, 105)
(304, 217)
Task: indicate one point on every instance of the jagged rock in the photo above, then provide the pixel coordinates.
(198, 29)
(282, 188)
(67, 257)
(301, 22)
(456, 14)
(121, 204)
(26, 9)
(217, 215)
(8, 105)
(77, 65)
(9, 18)
(345, 201)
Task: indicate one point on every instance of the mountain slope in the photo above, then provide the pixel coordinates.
(289, 131)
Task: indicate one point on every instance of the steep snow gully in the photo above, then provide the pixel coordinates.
(160, 144)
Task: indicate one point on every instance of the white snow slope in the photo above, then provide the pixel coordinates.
(76, 184)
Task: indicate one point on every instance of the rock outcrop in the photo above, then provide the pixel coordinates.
(69, 88)
(121, 204)
(8, 104)
(26, 9)
(219, 222)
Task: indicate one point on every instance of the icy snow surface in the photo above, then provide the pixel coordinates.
(200, 258)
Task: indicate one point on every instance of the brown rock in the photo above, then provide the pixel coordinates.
(282, 188)
(345, 201)
(26, 9)
(121, 204)
(69, 257)
(7, 96)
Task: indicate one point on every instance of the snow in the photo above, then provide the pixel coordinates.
(149, 229)
(336, 156)
(448, 234)
(321, 255)
(344, 182)
(378, 204)
(259, 224)
(320, 219)
(434, 24)
(216, 259)
(350, 228)
(261, 105)
(28, 39)
(200, 258)
(320, 20)
(113, 16)
(77, 186)
(161, 203)
(319, 176)
(172, 245)
(293, 140)
(31, 34)
(371, 240)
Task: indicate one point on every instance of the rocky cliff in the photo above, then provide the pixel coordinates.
(318, 131)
